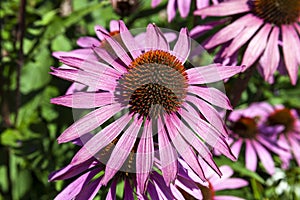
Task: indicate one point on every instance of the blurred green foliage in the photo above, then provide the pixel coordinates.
(30, 124)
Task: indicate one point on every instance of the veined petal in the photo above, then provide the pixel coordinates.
(77, 53)
(122, 150)
(183, 45)
(167, 153)
(112, 61)
(211, 73)
(163, 191)
(230, 31)
(130, 43)
(271, 57)
(85, 100)
(265, 157)
(251, 159)
(90, 190)
(211, 95)
(101, 140)
(155, 39)
(243, 37)
(145, 156)
(99, 81)
(224, 9)
(89, 65)
(183, 148)
(290, 46)
(89, 122)
(256, 46)
(120, 52)
(97, 29)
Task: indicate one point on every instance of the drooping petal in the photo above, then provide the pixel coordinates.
(128, 192)
(224, 9)
(229, 32)
(271, 57)
(130, 43)
(101, 140)
(84, 100)
(291, 48)
(211, 73)
(265, 157)
(209, 94)
(236, 147)
(90, 190)
(183, 45)
(167, 153)
(243, 37)
(171, 10)
(184, 7)
(89, 122)
(251, 159)
(145, 156)
(122, 150)
(163, 191)
(111, 195)
(295, 147)
(256, 46)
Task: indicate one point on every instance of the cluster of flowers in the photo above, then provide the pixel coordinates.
(159, 119)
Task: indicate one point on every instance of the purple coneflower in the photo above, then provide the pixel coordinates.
(266, 26)
(183, 6)
(139, 92)
(289, 137)
(248, 127)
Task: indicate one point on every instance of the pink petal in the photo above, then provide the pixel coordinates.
(209, 94)
(97, 29)
(295, 145)
(78, 53)
(99, 81)
(184, 7)
(256, 46)
(251, 159)
(90, 191)
(195, 141)
(155, 39)
(155, 3)
(105, 56)
(222, 197)
(243, 37)
(265, 157)
(232, 183)
(199, 30)
(162, 189)
(75, 87)
(224, 9)
(167, 153)
(114, 26)
(101, 140)
(189, 186)
(129, 41)
(122, 150)
(291, 48)
(87, 42)
(183, 45)
(111, 195)
(209, 113)
(271, 57)
(84, 100)
(89, 122)
(89, 65)
(145, 156)
(120, 52)
(171, 10)
(236, 147)
(202, 3)
(229, 32)
(211, 73)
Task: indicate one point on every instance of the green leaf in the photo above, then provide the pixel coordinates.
(10, 137)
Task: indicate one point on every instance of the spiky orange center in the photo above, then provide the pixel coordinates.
(155, 83)
(276, 11)
(245, 127)
(282, 117)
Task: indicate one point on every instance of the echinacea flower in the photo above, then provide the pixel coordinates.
(183, 6)
(289, 137)
(192, 187)
(266, 27)
(144, 94)
(248, 127)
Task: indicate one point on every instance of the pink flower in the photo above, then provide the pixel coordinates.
(182, 5)
(248, 127)
(266, 28)
(289, 137)
(138, 92)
